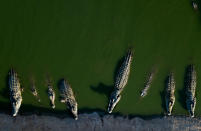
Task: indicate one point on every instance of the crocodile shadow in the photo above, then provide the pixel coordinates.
(107, 89)
(182, 93)
(103, 89)
(5, 91)
(162, 94)
(59, 85)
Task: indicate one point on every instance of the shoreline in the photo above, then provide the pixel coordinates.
(94, 121)
(27, 110)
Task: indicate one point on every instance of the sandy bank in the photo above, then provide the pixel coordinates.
(93, 122)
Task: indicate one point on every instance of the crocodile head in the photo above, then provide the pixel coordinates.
(16, 106)
(170, 105)
(169, 109)
(143, 93)
(192, 107)
(114, 99)
(73, 109)
(15, 110)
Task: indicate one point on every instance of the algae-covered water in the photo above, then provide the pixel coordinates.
(83, 41)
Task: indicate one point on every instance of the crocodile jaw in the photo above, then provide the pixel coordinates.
(113, 102)
(191, 109)
(16, 107)
(143, 94)
(74, 111)
(170, 106)
(191, 114)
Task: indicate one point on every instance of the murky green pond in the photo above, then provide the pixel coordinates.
(83, 42)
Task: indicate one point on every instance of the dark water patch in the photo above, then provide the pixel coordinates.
(5, 107)
(163, 104)
(182, 97)
(102, 113)
(59, 85)
(27, 109)
(162, 94)
(182, 92)
(30, 109)
(103, 89)
(5, 91)
(118, 114)
(91, 110)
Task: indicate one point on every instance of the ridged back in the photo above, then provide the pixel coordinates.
(123, 73)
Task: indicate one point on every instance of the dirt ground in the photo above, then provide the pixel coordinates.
(94, 122)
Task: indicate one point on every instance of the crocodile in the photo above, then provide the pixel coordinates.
(15, 92)
(51, 95)
(194, 4)
(169, 94)
(190, 89)
(67, 96)
(34, 91)
(147, 84)
(120, 80)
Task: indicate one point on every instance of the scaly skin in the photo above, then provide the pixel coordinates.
(121, 81)
(68, 97)
(169, 96)
(190, 90)
(194, 4)
(51, 95)
(147, 85)
(34, 91)
(15, 92)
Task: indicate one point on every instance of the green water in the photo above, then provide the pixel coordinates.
(84, 40)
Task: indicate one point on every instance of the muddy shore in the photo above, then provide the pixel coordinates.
(95, 122)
